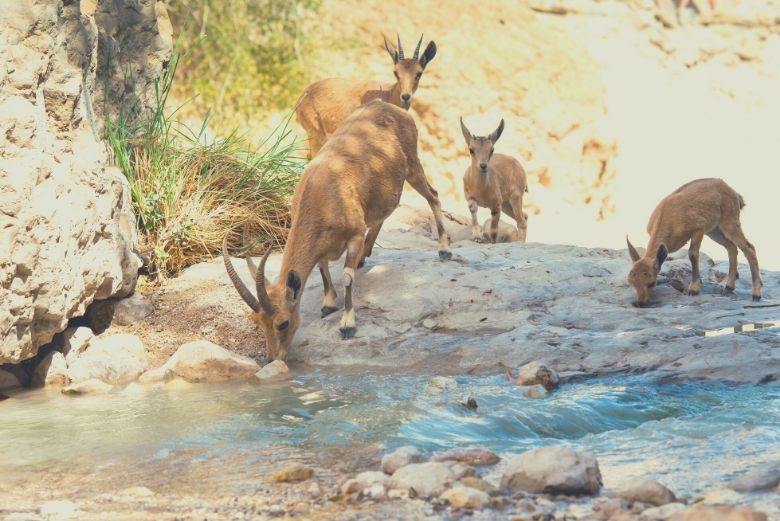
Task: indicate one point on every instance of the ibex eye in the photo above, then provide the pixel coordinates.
(419, 75)
(492, 150)
(283, 325)
(471, 151)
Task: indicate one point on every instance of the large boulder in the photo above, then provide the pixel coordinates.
(114, 359)
(552, 470)
(66, 228)
(425, 479)
(204, 361)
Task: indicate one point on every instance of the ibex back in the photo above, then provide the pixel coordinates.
(344, 196)
(325, 104)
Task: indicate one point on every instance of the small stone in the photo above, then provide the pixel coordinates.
(663, 512)
(177, 384)
(442, 383)
(301, 507)
(397, 493)
(646, 490)
(58, 510)
(276, 371)
(400, 457)
(51, 371)
(429, 323)
(314, 491)
(461, 470)
(92, 386)
(132, 309)
(469, 455)
(764, 477)
(470, 403)
(365, 480)
(479, 484)
(292, 472)
(536, 373)
(465, 497)
(552, 470)
(535, 391)
(204, 361)
(425, 479)
(376, 491)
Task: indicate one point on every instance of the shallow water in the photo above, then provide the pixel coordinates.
(691, 436)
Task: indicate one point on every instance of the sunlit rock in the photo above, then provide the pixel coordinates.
(400, 457)
(552, 470)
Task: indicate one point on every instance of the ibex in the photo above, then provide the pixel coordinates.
(340, 203)
(494, 181)
(325, 104)
(702, 207)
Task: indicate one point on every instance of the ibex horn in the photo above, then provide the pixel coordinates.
(262, 295)
(237, 283)
(417, 50)
(400, 48)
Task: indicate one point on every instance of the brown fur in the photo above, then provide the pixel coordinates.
(698, 208)
(325, 104)
(344, 195)
(500, 187)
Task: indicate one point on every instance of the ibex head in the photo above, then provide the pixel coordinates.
(644, 272)
(481, 148)
(275, 309)
(408, 71)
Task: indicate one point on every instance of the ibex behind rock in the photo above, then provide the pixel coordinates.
(494, 181)
(325, 104)
(702, 207)
(344, 196)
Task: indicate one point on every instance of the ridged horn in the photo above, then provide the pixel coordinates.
(236, 280)
(400, 47)
(262, 295)
(417, 50)
(632, 251)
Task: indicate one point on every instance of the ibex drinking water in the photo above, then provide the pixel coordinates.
(702, 207)
(494, 181)
(343, 197)
(325, 104)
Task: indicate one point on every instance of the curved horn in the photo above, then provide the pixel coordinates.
(391, 52)
(400, 47)
(417, 50)
(466, 133)
(237, 283)
(262, 295)
(632, 251)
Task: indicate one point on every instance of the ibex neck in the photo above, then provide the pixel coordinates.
(298, 256)
(394, 95)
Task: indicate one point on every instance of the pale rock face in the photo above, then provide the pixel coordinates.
(646, 490)
(204, 361)
(276, 371)
(400, 457)
(465, 497)
(552, 470)
(52, 371)
(67, 224)
(536, 373)
(427, 479)
(75, 341)
(114, 359)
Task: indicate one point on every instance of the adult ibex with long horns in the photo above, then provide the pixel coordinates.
(344, 196)
(325, 104)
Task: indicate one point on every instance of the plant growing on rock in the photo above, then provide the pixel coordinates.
(189, 191)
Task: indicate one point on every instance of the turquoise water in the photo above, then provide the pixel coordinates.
(692, 436)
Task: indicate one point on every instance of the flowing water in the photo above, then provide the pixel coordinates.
(691, 436)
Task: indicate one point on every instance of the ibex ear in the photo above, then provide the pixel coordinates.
(632, 251)
(430, 52)
(293, 286)
(660, 256)
(497, 134)
(392, 52)
(466, 133)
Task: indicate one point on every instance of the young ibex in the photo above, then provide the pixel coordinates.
(343, 197)
(494, 181)
(702, 207)
(325, 104)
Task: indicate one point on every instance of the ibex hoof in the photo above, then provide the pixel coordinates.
(327, 310)
(445, 255)
(347, 332)
(693, 292)
(756, 298)
(361, 263)
(728, 289)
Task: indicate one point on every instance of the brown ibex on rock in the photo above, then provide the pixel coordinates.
(698, 208)
(325, 104)
(340, 203)
(494, 181)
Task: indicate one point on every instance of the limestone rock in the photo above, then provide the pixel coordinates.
(132, 309)
(51, 371)
(468, 455)
(663, 512)
(8, 380)
(115, 359)
(552, 470)
(646, 490)
(479, 484)
(59, 510)
(537, 373)
(204, 361)
(535, 391)
(465, 497)
(764, 477)
(719, 513)
(292, 472)
(426, 479)
(276, 371)
(400, 457)
(75, 341)
(92, 386)
(366, 480)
